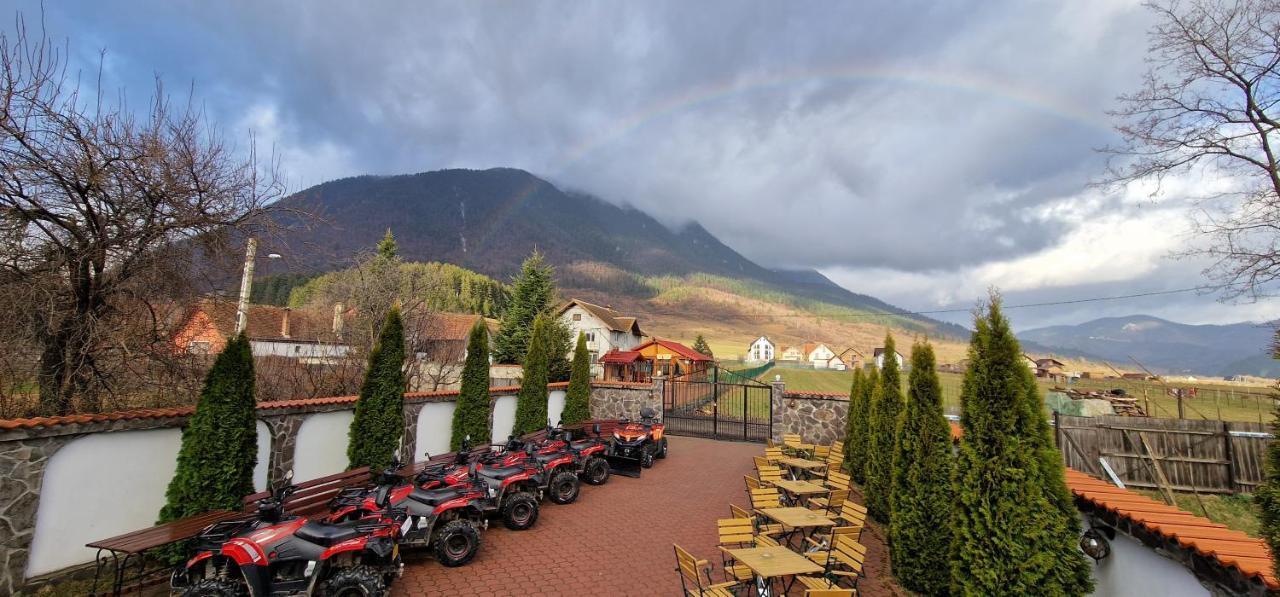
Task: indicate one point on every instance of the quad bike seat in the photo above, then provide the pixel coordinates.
(545, 458)
(501, 472)
(326, 534)
(435, 497)
(583, 444)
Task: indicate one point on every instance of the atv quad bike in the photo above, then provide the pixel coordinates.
(636, 444)
(275, 554)
(511, 492)
(556, 451)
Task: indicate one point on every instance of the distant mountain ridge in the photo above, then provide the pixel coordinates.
(1166, 346)
(490, 220)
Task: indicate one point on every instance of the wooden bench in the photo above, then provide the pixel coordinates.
(122, 551)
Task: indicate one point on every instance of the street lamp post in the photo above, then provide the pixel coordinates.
(246, 284)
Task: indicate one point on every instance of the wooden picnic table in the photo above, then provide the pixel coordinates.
(119, 550)
(801, 489)
(802, 464)
(770, 563)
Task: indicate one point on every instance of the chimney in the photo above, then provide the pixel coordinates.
(284, 323)
(337, 320)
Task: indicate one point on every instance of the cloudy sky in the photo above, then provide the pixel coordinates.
(920, 152)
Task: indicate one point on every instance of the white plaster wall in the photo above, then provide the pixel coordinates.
(264, 457)
(504, 418)
(555, 405)
(100, 486)
(1135, 570)
(435, 429)
(321, 447)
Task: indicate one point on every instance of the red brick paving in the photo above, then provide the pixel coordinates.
(616, 539)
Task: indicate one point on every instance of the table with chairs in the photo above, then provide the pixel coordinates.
(800, 535)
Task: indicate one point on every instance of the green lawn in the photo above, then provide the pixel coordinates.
(1235, 511)
(812, 380)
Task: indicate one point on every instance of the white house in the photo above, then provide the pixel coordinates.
(879, 357)
(818, 354)
(605, 328)
(836, 363)
(791, 353)
(760, 351)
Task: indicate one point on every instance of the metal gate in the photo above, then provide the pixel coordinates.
(718, 404)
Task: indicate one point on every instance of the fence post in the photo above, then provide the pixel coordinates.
(777, 389)
(1231, 457)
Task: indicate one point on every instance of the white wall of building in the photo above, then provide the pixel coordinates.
(435, 429)
(1135, 570)
(555, 405)
(760, 351)
(264, 457)
(297, 350)
(504, 418)
(321, 446)
(600, 339)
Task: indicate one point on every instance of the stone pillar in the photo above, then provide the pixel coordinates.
(410, 439)
(23, 463)
(776, 428)
(284, 440)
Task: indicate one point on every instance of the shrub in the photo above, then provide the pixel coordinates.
(855, 429)
(531, 403)
(577, 402)
(471, 414)
(920, 547)
(220, 443)
(886, 404)
(375, 433)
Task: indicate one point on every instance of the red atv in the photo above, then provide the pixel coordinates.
(511, 491)
(558, 454)
(274, 554)
(447, 519)
(636, 444)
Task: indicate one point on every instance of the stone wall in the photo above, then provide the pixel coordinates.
(818, 418)
(611, 400)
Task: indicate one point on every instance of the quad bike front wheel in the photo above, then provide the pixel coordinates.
(457, 543)
(564, 488)
(215, 587)
(596, 471)
(646, 458)
(662, 448)
(357, 581)
(520, 511)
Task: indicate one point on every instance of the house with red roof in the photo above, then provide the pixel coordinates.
(655, 357)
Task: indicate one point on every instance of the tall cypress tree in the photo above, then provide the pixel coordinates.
(531, 402)
(220, 443)
(886, 405)
(1011, 536)
(375, 433)
(533, 293)
(471, 413)
(1268, 494)
(920, 546)
(855, 428)
(577, 402)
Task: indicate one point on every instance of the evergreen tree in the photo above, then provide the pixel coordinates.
(920, 547)
(533, 293)
(1268, 495)
(531, 402)
(471, 413)
(855, 429)
(375, 433)
(882, 428)
(220, 443)
(388, 248)
(700, 345)
(1011, 535)
(577, 402)
(560, 344)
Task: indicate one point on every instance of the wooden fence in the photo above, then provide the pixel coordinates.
(1189, 455)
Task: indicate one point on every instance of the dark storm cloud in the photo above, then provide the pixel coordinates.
(910, 136)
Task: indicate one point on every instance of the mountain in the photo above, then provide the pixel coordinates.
(490, 220)
(1165, 346)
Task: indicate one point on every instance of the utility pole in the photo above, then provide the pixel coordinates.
(246, 281)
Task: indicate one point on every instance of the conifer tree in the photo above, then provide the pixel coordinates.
(855, 429)
(531, 402)
(376, 430)
(577, 401)
(700, 345)
(388, 248)
(920, 546)
(1011, 536)
(533, 293)
(471, 414)
(1268, 495)
(886, 405)
(220, 443)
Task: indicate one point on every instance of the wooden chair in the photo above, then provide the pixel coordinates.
(766, 498)
(843, 560)
(832, 502)
(835, 463)
(752, 483)
(838, 446)
(762, 529)
(689, 569)
(821, 452)
(774, 454)
(838, 480)
(761, 461)
(853, 513)
(770, 474)
(735, 533)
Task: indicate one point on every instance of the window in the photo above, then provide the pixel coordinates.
(577, 317)
(198, 347)
(591, 336)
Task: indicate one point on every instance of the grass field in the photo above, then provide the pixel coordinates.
(1235, 511)
(1213, 402)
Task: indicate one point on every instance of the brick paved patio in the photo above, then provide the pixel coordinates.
(616, 539)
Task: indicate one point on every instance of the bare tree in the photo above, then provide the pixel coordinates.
(1208, 101)
(102, 213)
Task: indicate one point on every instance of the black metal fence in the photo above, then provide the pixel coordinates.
(718, 404)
